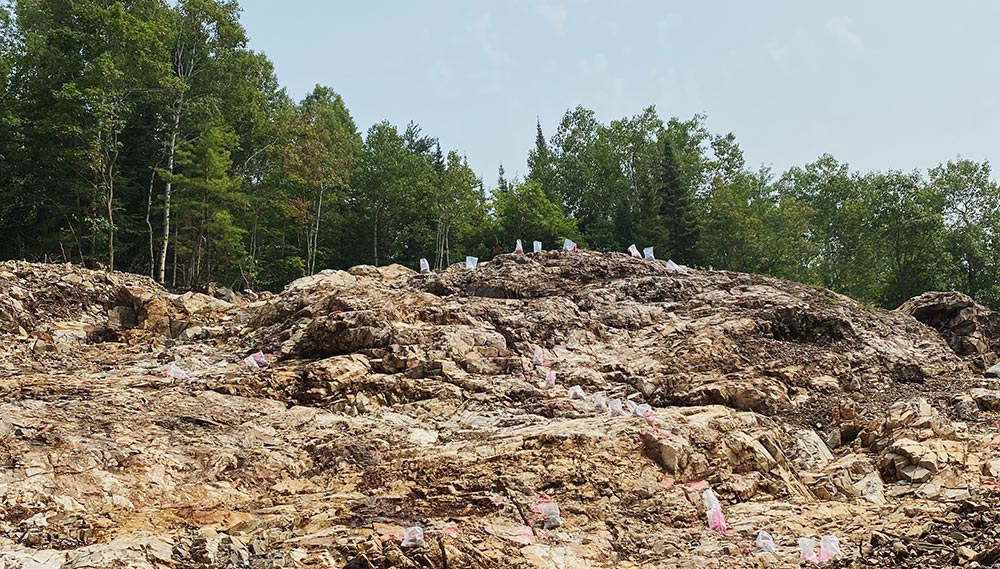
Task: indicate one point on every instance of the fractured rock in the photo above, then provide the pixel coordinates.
(393, 400)
(986, 399)
(971, 330)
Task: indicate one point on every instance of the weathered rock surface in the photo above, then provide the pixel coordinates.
(393, 399)
(971, 329)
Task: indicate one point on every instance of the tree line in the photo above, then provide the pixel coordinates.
(147, 136)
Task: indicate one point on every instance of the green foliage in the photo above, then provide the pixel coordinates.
(392, 193)
(524, 212)
(279, 272)
(752, 228)
(971, 215)
(677, 209)
(208, 198)
(319, 156)
(541, 164)
(146, 134)
(459, 209)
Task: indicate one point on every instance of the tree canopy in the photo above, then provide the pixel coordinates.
(147, 136)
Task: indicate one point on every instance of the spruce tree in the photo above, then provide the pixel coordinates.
(502, 184)
(677, 210)
(438, 159)
(541, 165)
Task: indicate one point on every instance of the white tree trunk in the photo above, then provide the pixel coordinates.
(314, 245)
(166, 196)
(149, 224)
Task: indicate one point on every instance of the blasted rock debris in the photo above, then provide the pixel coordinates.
(971, 329)
(386, 402)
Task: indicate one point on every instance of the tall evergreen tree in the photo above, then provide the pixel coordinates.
(502, 183)
(419, 144)
(541, 164)
(677, 209)
(438, 161)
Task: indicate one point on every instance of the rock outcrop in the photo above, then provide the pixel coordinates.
(390, 399)
(971, 329)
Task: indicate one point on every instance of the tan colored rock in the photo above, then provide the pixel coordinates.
(672, 453)
(391, 400)
(825, 383)
(909, 460)
(191, 333)
(972, 330)
(196, 303)
(986, 399)
(747, 454)
(915, 474)
(370, 271)
(395, 272)
(323, 280)
(966, 552)
(871, 489)
(808, 451)
(913, 413)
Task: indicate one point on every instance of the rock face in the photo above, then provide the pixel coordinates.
(971, 329)
(41, 300)
(390, 399)
(742, 341)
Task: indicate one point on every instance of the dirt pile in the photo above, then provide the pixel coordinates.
(394, 399)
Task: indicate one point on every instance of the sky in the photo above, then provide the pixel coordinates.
(893, 84)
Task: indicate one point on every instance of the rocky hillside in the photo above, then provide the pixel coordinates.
(554, 410)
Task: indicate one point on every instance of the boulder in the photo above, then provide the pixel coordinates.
(191, 333)
(986, 399)
(221, 292)
(965, 407)
(324, 280)
(395, 272)
(871, 489)
(971, 330)
(808, 451)
(197, 303)
(746, 454)
(671, 453)
(914, 413)
(908, 460)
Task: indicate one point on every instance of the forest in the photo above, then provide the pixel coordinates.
(146, 136)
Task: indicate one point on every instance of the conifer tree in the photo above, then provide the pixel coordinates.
(677, 210)
(541, 164)
(502, 184)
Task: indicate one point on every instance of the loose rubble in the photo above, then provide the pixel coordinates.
(381, 417)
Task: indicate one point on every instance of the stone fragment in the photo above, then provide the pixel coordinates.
(122, 318)
(671, 453)
(986, 399)
(808, 450)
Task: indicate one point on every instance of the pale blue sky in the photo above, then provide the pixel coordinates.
(889, 84)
